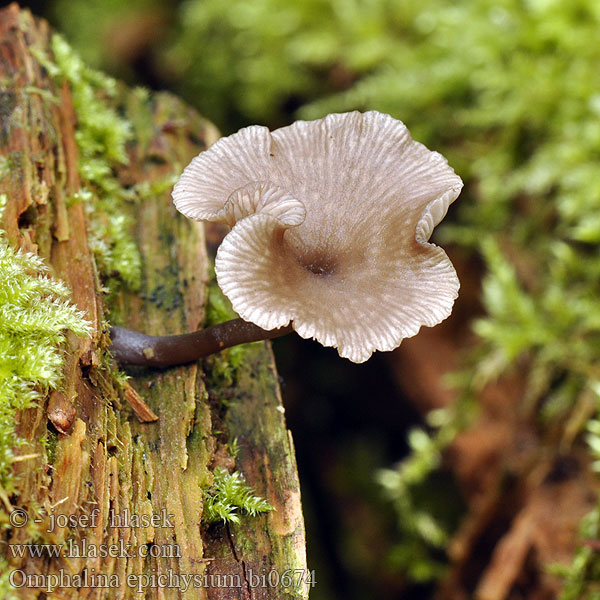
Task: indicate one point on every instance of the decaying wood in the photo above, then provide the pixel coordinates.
(85, 450)
(142, 411)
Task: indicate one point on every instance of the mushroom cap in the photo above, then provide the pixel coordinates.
(330, 222)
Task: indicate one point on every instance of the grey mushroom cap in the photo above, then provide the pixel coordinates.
(330, 222)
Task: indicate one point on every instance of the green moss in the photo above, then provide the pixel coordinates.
(218, 308)
(581, 577)
(229, 497)
(101, 136)
(233, 448)
(34, 316)
(414, 489)
(224, 365)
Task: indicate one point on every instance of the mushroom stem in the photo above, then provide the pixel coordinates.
(134, 348)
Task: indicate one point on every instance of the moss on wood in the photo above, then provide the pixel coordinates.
(91, 164)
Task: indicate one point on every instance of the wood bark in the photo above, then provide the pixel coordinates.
(108, 460)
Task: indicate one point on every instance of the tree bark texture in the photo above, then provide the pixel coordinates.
(107, 460)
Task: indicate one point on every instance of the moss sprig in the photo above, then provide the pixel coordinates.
(230, 497)
(35, 314)
(102, 137)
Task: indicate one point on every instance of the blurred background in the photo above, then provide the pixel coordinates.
(463, 464)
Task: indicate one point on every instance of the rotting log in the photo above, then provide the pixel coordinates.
(87, 453)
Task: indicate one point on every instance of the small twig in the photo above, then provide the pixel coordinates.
(142, 411)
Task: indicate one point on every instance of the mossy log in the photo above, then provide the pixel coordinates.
(85, 455)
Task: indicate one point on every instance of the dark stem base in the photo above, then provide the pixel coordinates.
(134, 348)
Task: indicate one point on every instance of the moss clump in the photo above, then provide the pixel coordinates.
(582, 575)
(414, 489)
(229, 497)
(101, 137)
(34, 316)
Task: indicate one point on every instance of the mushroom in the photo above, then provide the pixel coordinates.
(330, 222)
